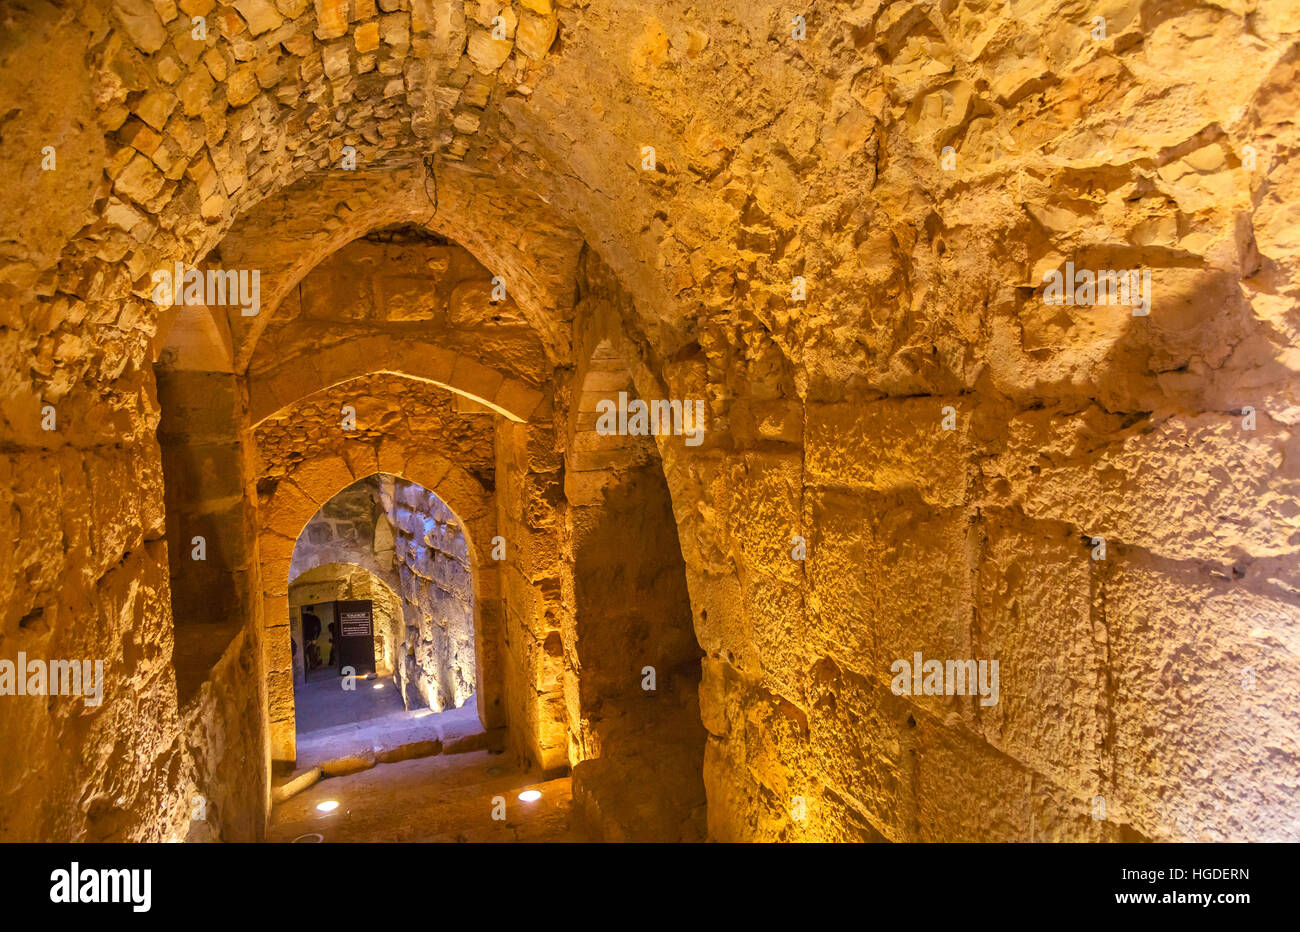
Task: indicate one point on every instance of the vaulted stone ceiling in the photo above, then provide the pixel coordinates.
(834, 226)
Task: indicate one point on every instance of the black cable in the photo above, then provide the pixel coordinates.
(428, 174)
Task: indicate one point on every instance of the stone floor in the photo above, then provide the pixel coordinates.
(405, 776)
(322, 702)
(357, 729)
(446, 798)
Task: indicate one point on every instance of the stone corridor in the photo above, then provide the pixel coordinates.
(843, 420)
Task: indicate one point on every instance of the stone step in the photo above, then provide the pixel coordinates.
(345, 753)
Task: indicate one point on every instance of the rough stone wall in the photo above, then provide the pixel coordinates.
(210, 524)
(388, 409)
(632, 663)
(349, 528)
(407, 286)
(530, 519)
(434, 660)
(825, 419)
(636, 664)
(225, 736)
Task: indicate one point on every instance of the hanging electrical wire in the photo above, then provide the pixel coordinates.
(430, 176)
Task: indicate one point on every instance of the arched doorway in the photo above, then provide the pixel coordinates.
(634, 656)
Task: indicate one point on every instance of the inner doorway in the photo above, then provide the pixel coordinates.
(338, 636)
(382, 627)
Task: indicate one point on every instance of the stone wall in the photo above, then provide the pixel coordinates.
(632, 662)
(349, 528)
(434, 660)
(530, 519)
(880, 534)
(209, 521)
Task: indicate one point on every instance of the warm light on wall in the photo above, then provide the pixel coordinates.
(530, 796)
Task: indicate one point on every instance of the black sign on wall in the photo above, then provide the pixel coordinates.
(356, 645)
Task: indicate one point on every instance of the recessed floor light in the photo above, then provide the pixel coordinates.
(530, 796)
(378, 686)
(330, 805)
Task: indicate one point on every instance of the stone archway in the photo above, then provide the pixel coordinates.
(415, 359)
(633, 660)
(292, 503)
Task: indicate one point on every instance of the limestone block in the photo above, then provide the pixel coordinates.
(323, 477)
(426, 469)
(275, 552)
(459, 488)
(288, 510)
(336, 60)
(1205, 693)
(195, 90)
(260, 15)
(1181, 486)
(486, 53)
(765, 513)
(395, 31)
(242, 86)
(892, 444)
(156, 107)
(361, 457)
(1061, 816)
(519, 399)
(366, 37)
(408, 299)
(535, 34)
(331, 18)
(278, 646)
(392, 457)
(955, 772)
(423, 360)
(142, 24)
(140, 180)
(888, 583)
(782, 631)
(475, 379)
(856, 740)
(834, 819)
(1034, 610)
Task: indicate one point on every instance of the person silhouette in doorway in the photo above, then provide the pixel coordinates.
(310, 632)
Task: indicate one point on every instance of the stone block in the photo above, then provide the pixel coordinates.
(892, 445)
